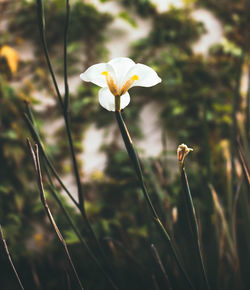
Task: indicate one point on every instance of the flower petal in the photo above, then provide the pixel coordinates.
(121, 66)
(107, 100)
(94, 74)
(147, 77)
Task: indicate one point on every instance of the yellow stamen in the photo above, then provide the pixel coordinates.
(128, 84)
(111, 83)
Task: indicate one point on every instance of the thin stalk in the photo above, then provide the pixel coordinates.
(248, 115)
(65, 58)
(134, 158)
(54, 172)
(207, 150)
(9, 258)
(243, 162)
(35, 157)
(75, 166)
(41, 23)
(234, 235)
(38, 140)
(160, 264)
(64, 107)
(192, 220)
(75, 229)
(236, 100)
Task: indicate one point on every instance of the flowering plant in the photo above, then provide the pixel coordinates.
(116, 77)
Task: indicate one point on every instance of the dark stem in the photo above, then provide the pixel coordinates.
(41, 23)
(235, 105)
(38, 140)
(248, 114)
(64, 107)
(134, 158)
(160, 264)
(75, 229)
(9, 258)
(65, 59)
(35, 157)
(75, 166)
(192, 220)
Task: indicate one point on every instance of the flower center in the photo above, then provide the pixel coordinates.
(113, 87)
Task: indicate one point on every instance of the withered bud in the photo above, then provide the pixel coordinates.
(182, 152)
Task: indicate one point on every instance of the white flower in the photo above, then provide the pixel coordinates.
(116, 77)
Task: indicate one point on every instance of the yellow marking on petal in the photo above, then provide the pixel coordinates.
(135, 78)
(111, 83)
(128, 84)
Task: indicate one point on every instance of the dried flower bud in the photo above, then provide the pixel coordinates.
(182, 152)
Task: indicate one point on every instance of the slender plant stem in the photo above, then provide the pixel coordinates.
(42, 29)
(75, 229)
(41, 23)
(9, 258)
(38, 140)
(64, 107)
(235, 105)
(192, 220)
(243, 162)
(134, 158)
(234, 236)
(248, 115)
(75, 166)
(35, 156)
(65, 59)
(160, 264)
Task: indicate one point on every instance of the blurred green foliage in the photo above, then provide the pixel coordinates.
(196, 100)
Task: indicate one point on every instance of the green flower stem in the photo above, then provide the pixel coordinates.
(134, 158)
(192, 220)
(118, 103)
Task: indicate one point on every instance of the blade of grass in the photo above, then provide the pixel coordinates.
(135, 161)
(160, 265)
(35, 156)
(191, 216)
(222, 216)
(243, 162)
(235, 106)
(234, 234)
(9, 258)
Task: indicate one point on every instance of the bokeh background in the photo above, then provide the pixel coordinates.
(200, 49)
